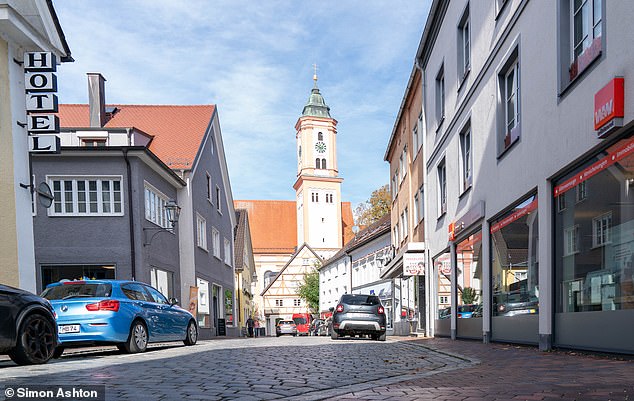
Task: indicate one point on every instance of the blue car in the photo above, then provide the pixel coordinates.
(128, 314)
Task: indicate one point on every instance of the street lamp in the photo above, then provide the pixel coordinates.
(172, 211)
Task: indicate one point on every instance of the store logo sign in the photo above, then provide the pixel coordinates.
(609, 108)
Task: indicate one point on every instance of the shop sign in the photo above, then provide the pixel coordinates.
(413, 264)
(40, 83)
(596, 168)
(609, 107)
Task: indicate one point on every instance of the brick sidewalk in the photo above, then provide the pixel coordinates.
(511, 372)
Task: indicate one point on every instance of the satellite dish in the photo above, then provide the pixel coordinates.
(45, 195)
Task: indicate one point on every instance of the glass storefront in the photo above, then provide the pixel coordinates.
(442, 267)
(469, 286)
(594, 251)
(515, 268)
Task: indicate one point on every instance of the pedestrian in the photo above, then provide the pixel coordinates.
(250, 326)
(256, 327)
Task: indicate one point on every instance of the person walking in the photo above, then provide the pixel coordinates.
(250, 326)
(256, 327)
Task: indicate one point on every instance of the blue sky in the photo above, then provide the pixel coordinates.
(254, 61)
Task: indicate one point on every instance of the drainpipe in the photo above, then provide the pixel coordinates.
(350, 258)
(130, 213)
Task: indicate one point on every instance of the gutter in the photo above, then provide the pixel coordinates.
(130, 216)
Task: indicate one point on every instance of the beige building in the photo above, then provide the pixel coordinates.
(25, 26)
(405, 155)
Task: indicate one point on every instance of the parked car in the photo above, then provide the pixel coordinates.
(358, 314)
(28, 333)
(285, 327)
(467, 311)
(514, 303)
(128, 314)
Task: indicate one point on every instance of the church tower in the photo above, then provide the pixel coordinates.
(318, 185)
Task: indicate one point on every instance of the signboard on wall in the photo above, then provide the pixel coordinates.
(193, 301)
(609, 108)
(413, 264)
(40, 83)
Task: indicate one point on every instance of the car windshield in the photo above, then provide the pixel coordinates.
(299, 320)
(360, 300)
(77, 290)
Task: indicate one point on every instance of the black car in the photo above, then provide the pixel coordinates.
(358, 314)
(28, 331)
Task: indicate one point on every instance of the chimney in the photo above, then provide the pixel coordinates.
(96, 99)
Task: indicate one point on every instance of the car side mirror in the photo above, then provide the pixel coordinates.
(332, 309)
(173, 301)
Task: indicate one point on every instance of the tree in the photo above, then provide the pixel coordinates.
(309, 290)
(374, 208)
(469, 295)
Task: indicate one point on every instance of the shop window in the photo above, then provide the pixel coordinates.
(203, 303)
(469, 258)
(594, 262)
(442, 265)
(514, 260)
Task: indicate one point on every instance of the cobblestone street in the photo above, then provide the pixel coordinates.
(316, 368)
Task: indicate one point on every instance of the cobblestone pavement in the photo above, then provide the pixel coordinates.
(316, 368)
(309, 368)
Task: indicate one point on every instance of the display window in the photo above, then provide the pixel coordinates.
(514, 261)
(469, 277)
(443, 285)
(594, 233)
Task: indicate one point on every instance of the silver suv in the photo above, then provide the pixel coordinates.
(358, 314)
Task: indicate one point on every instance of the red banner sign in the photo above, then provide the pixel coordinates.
(514, 216)
(608, 103)
(596, 168)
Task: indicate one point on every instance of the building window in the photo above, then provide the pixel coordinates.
(601, 230)
(163, 281)
(279, 302)
(320, 136)
(571, 238)
(466, 158)
(215, 242)
(201, 232)
(228, 253)
(561, 202)
(464, 45)
(93, 142)
(297, 302)
(581, 192)
(415, 139)
(155, 210)
(218, 208)
(443, 300)
(442, 188)
(314, 196)
(86, 197)
(440, 96)
(395, 235)
(509, 79)
(329, 198)
(395, 185)
(403, 164)
(421, 127)
(323, 164)
(404, 224)
(419, 205)
(209, 188)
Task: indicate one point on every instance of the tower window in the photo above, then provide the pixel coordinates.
(317, 163)
(315, 196)
(323, 164)
(320, 136)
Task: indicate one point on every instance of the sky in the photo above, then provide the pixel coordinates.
(254, 61)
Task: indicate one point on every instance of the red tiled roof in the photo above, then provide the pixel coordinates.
(273, 224)
(178, 130)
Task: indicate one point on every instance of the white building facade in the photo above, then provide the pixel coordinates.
(529, 170)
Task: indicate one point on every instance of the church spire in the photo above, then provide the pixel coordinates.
(316, 105)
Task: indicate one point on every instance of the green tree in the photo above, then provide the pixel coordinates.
(309, 290)
(469, 295)
(374, 208)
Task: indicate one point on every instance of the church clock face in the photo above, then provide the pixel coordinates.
(320, 147)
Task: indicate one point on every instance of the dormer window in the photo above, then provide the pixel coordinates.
(93, 142)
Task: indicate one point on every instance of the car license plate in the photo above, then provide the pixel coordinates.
(364, 315)
(68, 328)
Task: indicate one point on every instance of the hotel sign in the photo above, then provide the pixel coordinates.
(40, 83)
(609, 108)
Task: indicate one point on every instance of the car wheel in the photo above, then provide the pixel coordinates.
(381, 337)
(36, 341)
(334, 335)
(58, 352)
(138, 339)
(192, 334)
